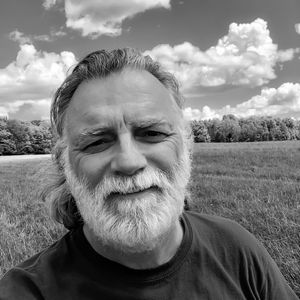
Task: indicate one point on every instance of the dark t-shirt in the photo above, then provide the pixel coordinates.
(217, 259)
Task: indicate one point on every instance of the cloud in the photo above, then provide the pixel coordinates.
(297, 28)
(204, 114)
(42, 37)
(30, 110)
(246, 56)
(57, 33)
(101, 17)
(49, 3)
(3, 112)
(283, 101)
(32, 77)
(286, 55)
(21, 38)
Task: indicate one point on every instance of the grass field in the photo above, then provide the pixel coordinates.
(255, 184)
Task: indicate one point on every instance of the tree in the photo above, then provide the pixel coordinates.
(7, 145)
(20, 135)
(264, 131)
(212, 126)
(228, 130)
(200, 132)
(291, 125)
(40, 137)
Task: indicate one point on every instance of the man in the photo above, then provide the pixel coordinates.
(124, 158)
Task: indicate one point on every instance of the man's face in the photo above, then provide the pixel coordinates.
(127, 164)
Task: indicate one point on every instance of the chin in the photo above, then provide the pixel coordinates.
(134, 225)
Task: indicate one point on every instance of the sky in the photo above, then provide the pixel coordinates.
(236, 57)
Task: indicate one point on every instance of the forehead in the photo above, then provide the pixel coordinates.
(121, 98)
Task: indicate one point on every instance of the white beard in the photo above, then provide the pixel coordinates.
(132, 224)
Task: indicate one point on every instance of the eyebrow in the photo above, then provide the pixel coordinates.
(106, 129)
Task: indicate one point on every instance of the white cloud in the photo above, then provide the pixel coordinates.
(3, 112)
(246, 56)
(286, 55)
(42, 37)
(49, 3)
(283, 101)
(204, 114)
(101, 17)
(57, 33)
(30, 110)
(22, 38)
(19, 37)
(32, 77)
(297, 28)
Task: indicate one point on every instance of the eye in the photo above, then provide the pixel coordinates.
(151, 136)
(99, 145)
(153, 133)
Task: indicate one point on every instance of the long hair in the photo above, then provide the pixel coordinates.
(98, 64)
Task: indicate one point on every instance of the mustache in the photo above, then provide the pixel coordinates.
(135, 190)
(155, 180)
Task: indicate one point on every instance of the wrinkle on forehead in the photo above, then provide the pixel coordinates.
(139, 84)
(121, 97)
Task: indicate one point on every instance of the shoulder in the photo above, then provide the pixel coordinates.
(31, 274)
(224, 242)
(56, 252)
(220, 234)
(215, 224)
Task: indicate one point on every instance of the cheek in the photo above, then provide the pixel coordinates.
(91, 167)
(166, 155)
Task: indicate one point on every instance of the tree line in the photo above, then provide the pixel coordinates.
(35, 137)
(252, 129)
(20, 137)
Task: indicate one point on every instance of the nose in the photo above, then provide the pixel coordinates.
(128, 160)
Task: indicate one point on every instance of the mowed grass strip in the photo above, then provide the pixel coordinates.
(255, 184)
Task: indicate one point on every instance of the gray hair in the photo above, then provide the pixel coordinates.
(98, 64)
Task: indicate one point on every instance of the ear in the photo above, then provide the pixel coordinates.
(189, 136)
(59, 153)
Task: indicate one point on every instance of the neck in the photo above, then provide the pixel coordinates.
(161, 254)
